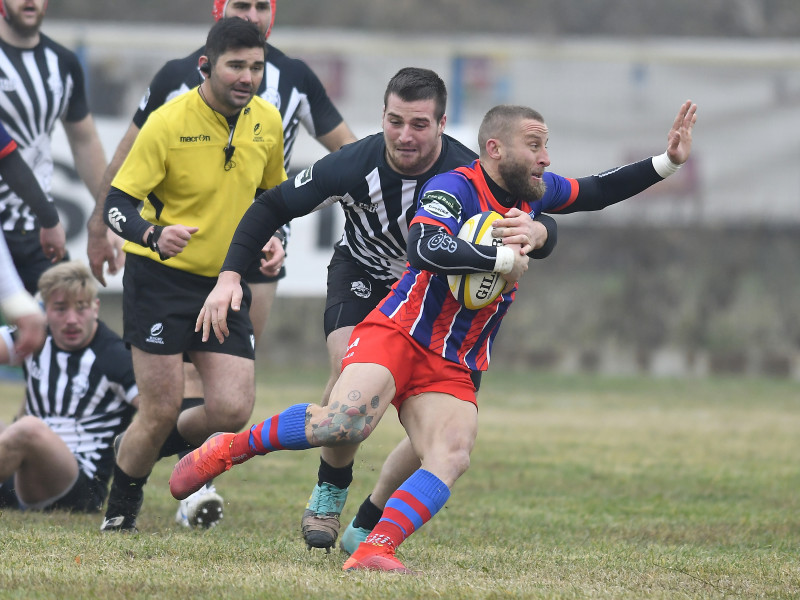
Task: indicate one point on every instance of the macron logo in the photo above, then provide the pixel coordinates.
(195, 138)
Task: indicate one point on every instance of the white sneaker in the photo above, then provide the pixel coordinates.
(201, 509)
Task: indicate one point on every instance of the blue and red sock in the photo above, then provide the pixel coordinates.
(284, 431)
(409, 508)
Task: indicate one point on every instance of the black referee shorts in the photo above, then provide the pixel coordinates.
(160, 307)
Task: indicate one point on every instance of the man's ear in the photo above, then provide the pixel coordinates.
(204, 66)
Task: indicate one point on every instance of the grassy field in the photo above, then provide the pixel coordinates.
(580, 487)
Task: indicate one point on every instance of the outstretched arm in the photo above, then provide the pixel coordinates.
(620, 183)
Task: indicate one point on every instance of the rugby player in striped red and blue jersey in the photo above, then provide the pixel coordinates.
(394, 358)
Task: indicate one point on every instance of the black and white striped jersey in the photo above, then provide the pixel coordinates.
(84, 396)
(38, 86)
(378, 202)
(288, 84)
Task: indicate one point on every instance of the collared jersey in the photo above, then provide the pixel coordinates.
(177, 167)
(288, 84)
(40, 85)
(421, 301)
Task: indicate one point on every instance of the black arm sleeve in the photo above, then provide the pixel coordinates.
(552, 237)
(607, 188)
(433, 249)
(19, 177)
(267, 213)
(122, 216)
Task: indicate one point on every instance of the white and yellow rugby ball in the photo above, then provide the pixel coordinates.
(478, 290)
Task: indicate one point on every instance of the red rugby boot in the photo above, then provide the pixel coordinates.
(200, 466)
(372, 557)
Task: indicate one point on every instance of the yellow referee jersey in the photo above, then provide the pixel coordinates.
(177, 167)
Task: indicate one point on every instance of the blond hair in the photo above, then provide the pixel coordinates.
(500, 122)
(73, 278)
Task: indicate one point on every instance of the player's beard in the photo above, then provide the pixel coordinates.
(517, 178)
(24, 28)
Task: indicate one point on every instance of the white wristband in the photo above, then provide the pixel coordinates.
(504, 261)
(664, 166)
(19, 304)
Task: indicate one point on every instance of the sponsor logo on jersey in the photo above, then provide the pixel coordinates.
(56, 87)
(80, 385)
(155, 334)
(195, 138)
(361, 288)
(444, 242)
(257, 131)
(303, 177)
(34, 370)
(367, 206)
(441, 204)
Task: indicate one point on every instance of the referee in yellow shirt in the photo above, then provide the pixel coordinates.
(195, 167)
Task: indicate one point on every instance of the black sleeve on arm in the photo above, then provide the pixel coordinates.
(19, 177)
(433, 249)
(612, 186)
(552, 237)
(261, 221)
(121, 214)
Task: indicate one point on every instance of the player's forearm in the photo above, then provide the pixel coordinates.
(615, 185)
(88, 154)
(433, 249)
(122, 216)
(19, 177)
(120, 154)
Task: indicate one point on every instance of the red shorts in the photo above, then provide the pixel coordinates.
(377, 339)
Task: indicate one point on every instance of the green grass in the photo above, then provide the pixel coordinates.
(580, 487)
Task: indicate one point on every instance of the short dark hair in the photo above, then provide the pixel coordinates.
(501, 120)
(413, 83)
(231, 34)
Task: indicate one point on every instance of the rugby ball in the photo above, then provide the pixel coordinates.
(478, 290)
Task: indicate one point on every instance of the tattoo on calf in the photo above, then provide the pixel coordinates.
(345, 423)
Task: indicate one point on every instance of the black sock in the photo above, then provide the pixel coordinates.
(175, 443)
(126, 494)
(341, 477)
(368, 515)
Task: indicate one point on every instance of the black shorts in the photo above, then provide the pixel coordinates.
(160, 307)
(86, 495)
(352, 294)
(28, 257)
